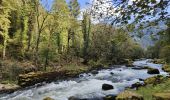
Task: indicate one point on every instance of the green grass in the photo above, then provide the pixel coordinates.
(149, 90)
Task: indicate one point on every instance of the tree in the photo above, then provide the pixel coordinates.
(31, 23)
(74, 8)
(41, 17)
(4, 23)
(62, 16)
(124, 11)
(86, 28)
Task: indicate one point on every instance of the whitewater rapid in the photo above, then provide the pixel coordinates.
(87, 85)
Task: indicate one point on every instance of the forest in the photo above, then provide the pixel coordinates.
(44, 41)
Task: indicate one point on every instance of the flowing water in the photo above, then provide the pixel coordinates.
(87, 85)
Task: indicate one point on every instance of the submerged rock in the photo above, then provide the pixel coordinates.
(129, 65)
(75, 98)
(128, 95)
(141, 67)
(106, 87)
(161, 96)
(111, 73)
(110, 97)
(94, 72)
(153, 71)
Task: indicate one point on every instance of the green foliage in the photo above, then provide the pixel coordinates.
(11, 73)
(28, 31)
(74, 8)
(165, 53)
(112, 45)
(127, 10)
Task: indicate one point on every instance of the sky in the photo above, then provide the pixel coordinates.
(81, 2)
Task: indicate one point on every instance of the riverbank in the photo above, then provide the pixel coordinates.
(155, 88)
(89, 85)
(26, 74)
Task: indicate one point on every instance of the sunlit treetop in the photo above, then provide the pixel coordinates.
(128, 11)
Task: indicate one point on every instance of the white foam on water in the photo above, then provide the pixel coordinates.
(88, 85)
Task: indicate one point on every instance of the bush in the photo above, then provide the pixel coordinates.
(165, 53)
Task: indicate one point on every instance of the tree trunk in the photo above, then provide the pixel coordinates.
(4, 47)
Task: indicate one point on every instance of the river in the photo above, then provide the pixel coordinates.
(87, 85)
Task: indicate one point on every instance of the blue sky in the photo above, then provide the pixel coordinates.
(81, 2)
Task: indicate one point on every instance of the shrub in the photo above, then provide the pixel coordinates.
(165, 53)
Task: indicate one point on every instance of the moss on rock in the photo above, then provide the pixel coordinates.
(154, 80)
(166, 68)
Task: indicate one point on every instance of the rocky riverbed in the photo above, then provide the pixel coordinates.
(90, 86)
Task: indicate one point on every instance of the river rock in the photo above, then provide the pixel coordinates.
(166, 68)
(153, 71)
(140, 79)
(136, 85)
(141, 67)
(111, 73)
(48, 98)
(161, 96)
(106, 87)
(129, 65)
(128, 95)
(8, 88)
(94, 72)
(110, 97)
(75, 98)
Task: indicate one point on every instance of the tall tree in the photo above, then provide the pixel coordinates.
(62, 16)
(31, 23)
(4, 23)
(86, 27)
(41, 17)
(74, 8)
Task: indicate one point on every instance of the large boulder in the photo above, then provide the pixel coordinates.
(128, 95)
(153, 71)
(106, 87)
(33, 78)
(161, 96)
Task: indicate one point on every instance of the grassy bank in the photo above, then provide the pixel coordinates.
(149, 90)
